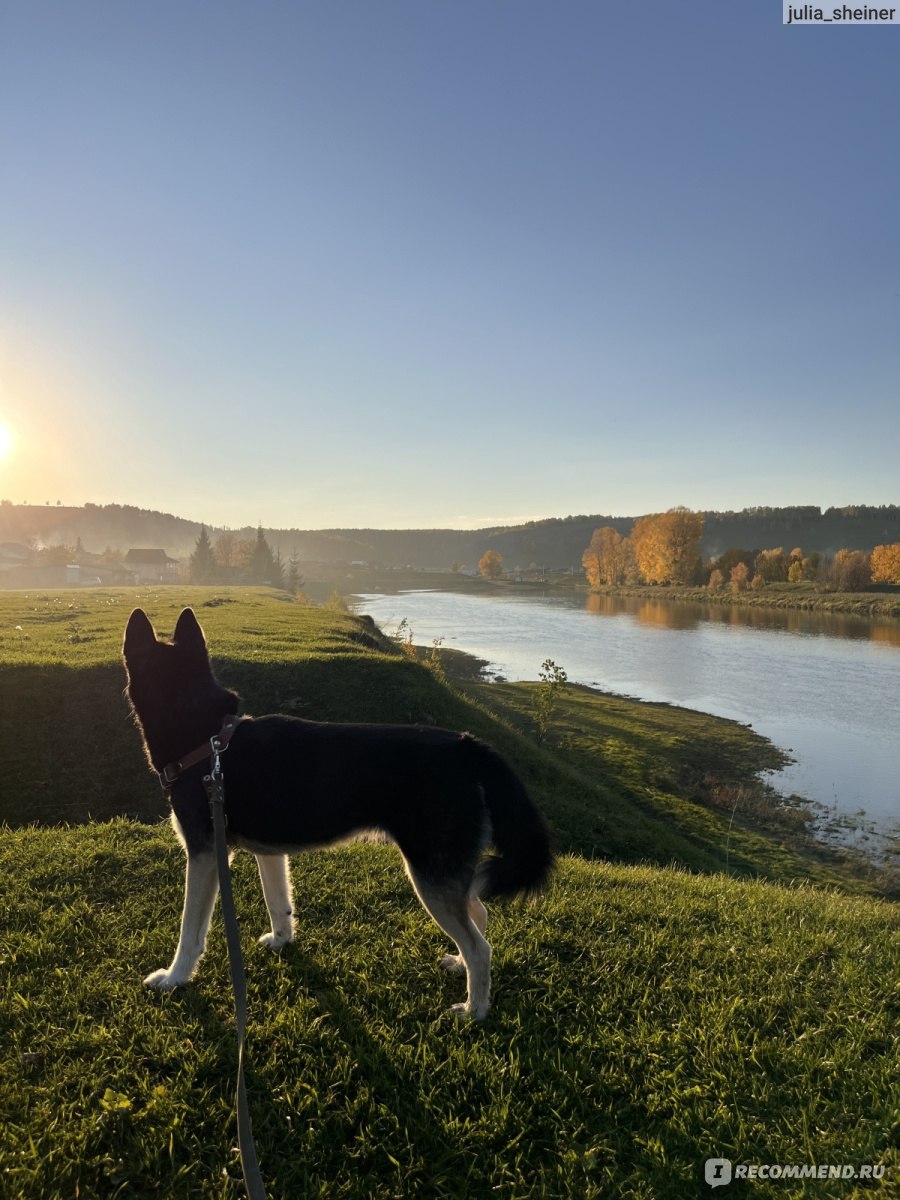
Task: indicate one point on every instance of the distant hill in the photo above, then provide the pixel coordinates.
(555, 543)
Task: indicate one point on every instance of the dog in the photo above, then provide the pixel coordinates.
(292, 784)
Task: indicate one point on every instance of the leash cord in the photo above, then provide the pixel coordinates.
(253, 1180)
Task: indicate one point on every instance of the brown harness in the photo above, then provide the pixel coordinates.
(204, 753)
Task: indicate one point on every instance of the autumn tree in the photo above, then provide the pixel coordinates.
(886, 563)
(771, 566)
(731, 558)
(490, 565)
(740, 574)
(225, 550)
(716, 580)
(607, 558)
(667, 545)
(849, 572)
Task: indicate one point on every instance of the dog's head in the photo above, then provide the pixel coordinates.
(176, 700)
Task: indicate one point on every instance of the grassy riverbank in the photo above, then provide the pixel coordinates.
(618, 779)
(805, 596)
(646, 1018)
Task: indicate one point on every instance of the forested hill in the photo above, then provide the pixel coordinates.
(553, 543)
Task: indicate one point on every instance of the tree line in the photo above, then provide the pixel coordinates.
(664, 548)
(232, 559)
(556, 542)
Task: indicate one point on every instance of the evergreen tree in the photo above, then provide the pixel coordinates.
(295, 580)
(264, 567)
(202, 564)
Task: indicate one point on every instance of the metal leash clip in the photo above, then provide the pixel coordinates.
(214, 782)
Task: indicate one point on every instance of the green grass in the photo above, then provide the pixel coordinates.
(644, 1020)
(628, 785)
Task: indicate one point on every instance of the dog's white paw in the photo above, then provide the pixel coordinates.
(469, 1012)
(165, 980)
(274, 941)
(453, 963)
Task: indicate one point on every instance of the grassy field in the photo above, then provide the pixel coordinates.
(644, 1021)
(646, 1018)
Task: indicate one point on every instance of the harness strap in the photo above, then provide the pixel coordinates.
(215, 789)
(171, 771)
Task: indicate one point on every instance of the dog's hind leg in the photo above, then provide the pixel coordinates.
(201, 886)
(478, 913)
(275, 877)
(451, 910)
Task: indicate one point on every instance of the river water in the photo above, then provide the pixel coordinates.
(824, 688)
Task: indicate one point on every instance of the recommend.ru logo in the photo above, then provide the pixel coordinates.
(717, 1171)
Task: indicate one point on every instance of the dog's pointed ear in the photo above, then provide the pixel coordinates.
(139, 634)
(189, 636)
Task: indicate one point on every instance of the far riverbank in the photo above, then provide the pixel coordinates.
(804, 596)
(882, 601)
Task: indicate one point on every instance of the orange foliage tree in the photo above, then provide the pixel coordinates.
(740, 573)
(608, 559)
(491, 564)
(667, 545)
(886, 563)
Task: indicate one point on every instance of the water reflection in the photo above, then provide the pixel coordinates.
(824, 687)
(664, 614)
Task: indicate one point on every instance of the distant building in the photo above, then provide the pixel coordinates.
(152, 566)
(13, 555)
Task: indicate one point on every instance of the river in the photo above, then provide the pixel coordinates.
(824, 688)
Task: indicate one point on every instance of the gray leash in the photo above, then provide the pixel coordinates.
(215, 789)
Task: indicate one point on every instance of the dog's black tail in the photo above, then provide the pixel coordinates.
(524, 859)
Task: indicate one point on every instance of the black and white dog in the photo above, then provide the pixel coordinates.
(292, 784)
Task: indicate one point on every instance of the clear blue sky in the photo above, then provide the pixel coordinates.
(371, 262)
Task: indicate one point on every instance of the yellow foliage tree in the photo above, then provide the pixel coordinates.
(491, 564)
(886, 563)
(608, 559)
(667, 545)
(740, 573)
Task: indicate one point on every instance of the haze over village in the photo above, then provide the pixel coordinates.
(57, 545)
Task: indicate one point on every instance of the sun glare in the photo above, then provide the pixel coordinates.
(5, 439)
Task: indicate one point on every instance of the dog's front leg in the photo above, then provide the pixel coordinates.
(201, 886)
(275, 877)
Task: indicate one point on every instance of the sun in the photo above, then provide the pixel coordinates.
(6, 439)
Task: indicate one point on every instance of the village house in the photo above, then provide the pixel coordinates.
(152, 566)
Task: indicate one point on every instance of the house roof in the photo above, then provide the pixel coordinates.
(154, 557)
